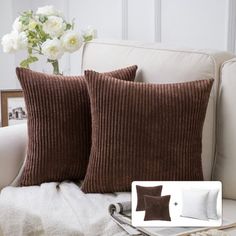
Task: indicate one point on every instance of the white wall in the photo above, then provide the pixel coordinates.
(104, 15)
(6, 61)
(189, 23)
(195, 23)
(141, 22)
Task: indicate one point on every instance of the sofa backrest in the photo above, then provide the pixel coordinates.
(159, 64)
(225, 164)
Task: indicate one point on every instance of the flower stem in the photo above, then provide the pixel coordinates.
(55, 65)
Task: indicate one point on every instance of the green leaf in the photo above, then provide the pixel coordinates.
(24, 20)
(28, 13)
(30, 50)
(32, 59)
(68, 26)
(73, 24)
(87, 38)
(25, 63)
(43, 18)
(42, 36)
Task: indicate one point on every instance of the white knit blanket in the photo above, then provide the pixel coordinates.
(52, 210)
(65, 210)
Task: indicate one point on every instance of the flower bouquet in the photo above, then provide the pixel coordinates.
(45, 32)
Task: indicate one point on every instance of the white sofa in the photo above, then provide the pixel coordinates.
(157, 64)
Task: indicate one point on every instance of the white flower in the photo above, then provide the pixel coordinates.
(14, 41)
(54, 26)
(90, 33)
(21, 41)
(32, 24)
(7, 43)
(48, 10)
(71, 41)
(52, 49)
(17, 25)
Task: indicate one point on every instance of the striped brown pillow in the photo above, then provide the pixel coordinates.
(59, 125)
(144, 132)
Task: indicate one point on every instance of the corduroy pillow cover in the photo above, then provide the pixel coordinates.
(144, 132)
(157, 208)
(59, 125)
(141, 191)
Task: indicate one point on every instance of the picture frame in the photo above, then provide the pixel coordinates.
(13, 109)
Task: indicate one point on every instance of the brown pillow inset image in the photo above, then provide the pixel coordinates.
(144, 132)
(157, 208)
(141, 191)
(59, 125)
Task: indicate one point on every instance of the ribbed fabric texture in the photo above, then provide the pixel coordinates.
(142, 191)
(143, 132)
(59, 125)
(157, 208)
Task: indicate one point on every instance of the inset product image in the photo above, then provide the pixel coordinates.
(200, 203)
(194, 204)
(212, 204)
(142, 191)
(157, 208)
(176, 203)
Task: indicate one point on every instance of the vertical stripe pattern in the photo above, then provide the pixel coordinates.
(59, 125)
(144, 132)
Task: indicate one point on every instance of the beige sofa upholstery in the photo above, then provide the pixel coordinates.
(13, 145)
(225, 165)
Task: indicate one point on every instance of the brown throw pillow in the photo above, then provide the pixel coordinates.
(141, 191)
(59, 125)
(157, 208)
(144, 132)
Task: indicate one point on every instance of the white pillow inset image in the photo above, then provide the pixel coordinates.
(194, 203)
(212, 204)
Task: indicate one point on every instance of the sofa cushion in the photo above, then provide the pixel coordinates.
(144, 132)
(59, 125)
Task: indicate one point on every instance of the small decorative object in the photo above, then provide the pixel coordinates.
(13, 109)
(44, 32)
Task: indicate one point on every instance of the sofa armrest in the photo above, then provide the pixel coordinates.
(13, 145)
(225, 162)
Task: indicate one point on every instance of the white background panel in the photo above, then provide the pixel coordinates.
(6, 60)
(141, 21)
(104, 15)
(188, 23)
(195, 23)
